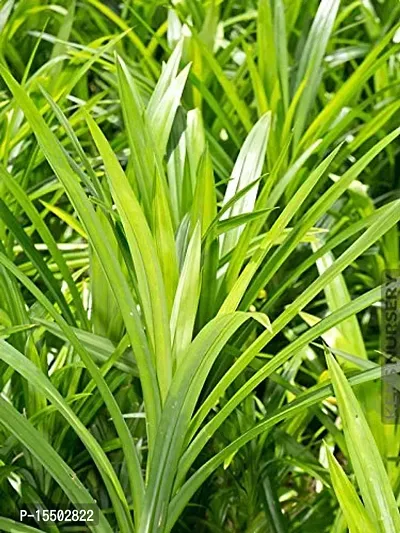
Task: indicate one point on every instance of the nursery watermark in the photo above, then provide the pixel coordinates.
(390, 346)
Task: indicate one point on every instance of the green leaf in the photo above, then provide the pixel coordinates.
(311, 61)
(100, 348)
(355, 514)
(310, 217)
(65, 217)
(229, 88)
(307, 399)
(150, 287)
(239, 220)
(162, 117)
(185, 390)
(351, 86)
(168, 75)
(204, 206)
(239, 288)
(37, 260)
(105, 312)
(115, 491)
(165, 242)
(10, 526)
(247, 169)
(57, 159)
(27, 205)
(267, 58)
(337, 295)
(140, 142)
(187, 298)
(49, 458)
(266, 370)
(366, 460)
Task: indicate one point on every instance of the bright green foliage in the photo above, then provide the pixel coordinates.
(198, 201)
(368, 467)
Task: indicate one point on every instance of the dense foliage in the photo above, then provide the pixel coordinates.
(198, 202)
